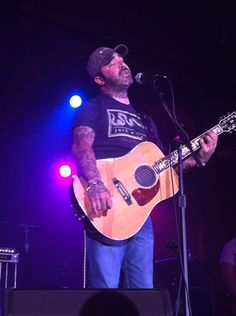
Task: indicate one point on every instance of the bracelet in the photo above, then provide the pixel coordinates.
(203, 164)
(93, 183)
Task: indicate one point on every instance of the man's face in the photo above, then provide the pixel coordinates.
(117, 73)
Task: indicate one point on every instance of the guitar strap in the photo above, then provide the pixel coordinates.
(151, 129)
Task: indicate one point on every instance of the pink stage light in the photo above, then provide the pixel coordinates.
(65, 171)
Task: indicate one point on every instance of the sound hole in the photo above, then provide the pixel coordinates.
(145, 176)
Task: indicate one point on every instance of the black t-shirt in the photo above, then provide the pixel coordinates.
(118, 127)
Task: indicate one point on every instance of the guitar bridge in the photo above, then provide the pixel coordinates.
(122, 190)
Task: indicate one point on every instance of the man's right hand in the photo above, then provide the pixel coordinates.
(100, 197)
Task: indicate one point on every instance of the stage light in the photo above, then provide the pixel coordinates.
(75, 101)
(65, 171)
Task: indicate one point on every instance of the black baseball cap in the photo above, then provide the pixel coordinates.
(102, 56)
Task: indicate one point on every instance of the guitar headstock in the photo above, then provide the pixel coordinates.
(228, 122)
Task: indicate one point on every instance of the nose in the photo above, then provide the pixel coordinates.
(122, 66)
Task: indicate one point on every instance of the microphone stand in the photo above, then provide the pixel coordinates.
(182, 206)
(184, 254)
(27, 228)
(183, 139)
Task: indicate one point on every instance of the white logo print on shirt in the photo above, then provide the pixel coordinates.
(122, 123)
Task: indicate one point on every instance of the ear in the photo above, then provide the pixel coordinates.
(99, 80)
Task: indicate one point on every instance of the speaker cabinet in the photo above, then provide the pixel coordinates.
(69, 302)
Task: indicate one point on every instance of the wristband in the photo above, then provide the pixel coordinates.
(203, 164)
(90, 184)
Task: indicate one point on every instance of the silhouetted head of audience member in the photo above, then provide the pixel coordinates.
(112, 303)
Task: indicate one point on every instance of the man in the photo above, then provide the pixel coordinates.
(108, 127)
(228, 267)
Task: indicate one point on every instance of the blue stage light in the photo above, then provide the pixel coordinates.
(75, 101)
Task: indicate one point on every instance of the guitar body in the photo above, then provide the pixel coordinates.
(135, 186)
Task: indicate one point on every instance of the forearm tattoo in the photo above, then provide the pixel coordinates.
(83, 138)
(188, 163)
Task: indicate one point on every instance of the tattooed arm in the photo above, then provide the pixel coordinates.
(83, 138)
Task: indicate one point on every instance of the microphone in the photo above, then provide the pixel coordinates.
(141, 78)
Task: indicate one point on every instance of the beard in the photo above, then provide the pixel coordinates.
(121, 82)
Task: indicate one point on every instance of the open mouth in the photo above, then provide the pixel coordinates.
(125, 73)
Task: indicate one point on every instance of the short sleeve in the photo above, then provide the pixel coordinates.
(87, 115)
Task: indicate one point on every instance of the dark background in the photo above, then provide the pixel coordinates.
(44, 49)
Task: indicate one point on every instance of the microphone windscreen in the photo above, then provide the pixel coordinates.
(138, 77)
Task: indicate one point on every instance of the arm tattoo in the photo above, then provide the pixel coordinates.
(83, 138)
(84, 134)
(189, 163)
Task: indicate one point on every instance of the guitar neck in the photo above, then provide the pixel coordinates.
(173, 158)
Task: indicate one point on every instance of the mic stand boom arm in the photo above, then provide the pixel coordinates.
(182, 135)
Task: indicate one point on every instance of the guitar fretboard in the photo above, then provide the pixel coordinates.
(173, 158)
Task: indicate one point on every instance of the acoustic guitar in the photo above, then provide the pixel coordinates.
(137, 181)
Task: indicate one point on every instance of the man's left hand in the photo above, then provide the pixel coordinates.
(208, 145)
